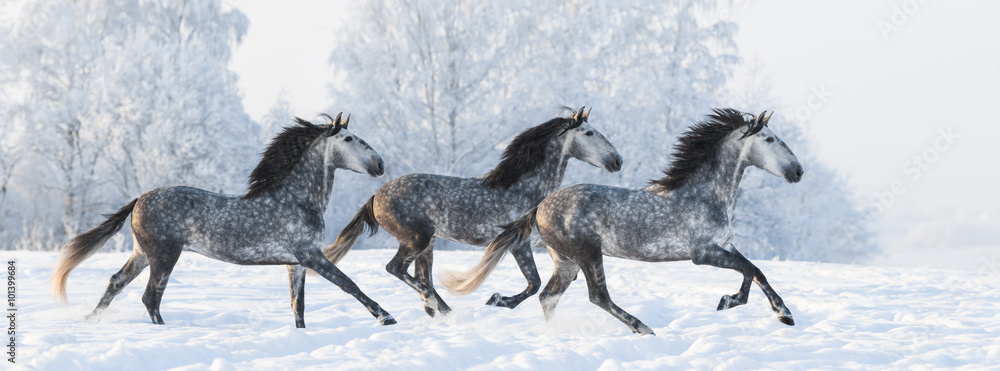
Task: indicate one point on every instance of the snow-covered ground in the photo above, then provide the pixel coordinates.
(220, 316)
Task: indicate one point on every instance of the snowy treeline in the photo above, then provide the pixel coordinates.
(104, 99)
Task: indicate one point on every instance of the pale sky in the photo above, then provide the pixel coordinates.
(870, 97)
(938, 69)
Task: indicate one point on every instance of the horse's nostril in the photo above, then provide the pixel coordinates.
(799, 172)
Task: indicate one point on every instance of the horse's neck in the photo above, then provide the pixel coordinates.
(718, 186)
(312, 180)
(547, 177)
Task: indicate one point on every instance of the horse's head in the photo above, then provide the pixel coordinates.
(348, 151)
(769, 152)
(587, 144)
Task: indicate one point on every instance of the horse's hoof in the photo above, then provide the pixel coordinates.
(498, 300)
(495, 300)
(728, 301)
(787, 320)
(642, 329)
(430, 311)
(386, 320)
(93, 316)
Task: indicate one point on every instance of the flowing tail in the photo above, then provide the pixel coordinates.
(83, 246)
(364, 218)
(515, 233)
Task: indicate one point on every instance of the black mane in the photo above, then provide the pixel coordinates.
(280, 157)
(702, 143)
(526, 151)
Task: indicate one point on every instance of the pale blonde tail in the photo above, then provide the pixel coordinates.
(365, 218)
(83, 246)
(464, 283)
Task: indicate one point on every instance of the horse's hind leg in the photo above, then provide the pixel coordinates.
(161, 264)
(526, 262)
(562, 276)
(407, 253)
(297, 283)
(719, 257)
(593, 271)
(135, 264)
(422, 268)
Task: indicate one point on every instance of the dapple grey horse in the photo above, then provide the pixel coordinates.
(278, 221)
(418, 208)
(687, 215)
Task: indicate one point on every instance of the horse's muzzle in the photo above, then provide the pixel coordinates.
(377, 169)
(793, 173)
(613, 163)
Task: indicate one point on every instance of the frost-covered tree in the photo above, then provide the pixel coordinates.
(433, 76)
(114, 97)
(445, 83)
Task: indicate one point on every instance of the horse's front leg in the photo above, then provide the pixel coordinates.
(526, 262)
(740, 297)
(297, 284)
(313, 258)
(718, 257)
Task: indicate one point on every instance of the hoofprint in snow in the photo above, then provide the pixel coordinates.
(223, 316)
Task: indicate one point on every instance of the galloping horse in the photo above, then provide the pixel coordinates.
(278, 221)
(687, 215)
(416, 208)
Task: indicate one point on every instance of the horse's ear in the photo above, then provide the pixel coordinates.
(587, 115)
(335, 126)
(768, 118)
(347, 120)
(579, 114)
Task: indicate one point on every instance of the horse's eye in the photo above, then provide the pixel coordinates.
(589, 133)
(348, 139)
(769, 140)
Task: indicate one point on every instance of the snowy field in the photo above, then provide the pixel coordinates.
(220, 316)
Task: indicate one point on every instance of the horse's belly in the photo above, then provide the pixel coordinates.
(651, 252)
(257, 255)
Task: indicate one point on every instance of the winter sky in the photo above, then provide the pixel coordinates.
(893, 93)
